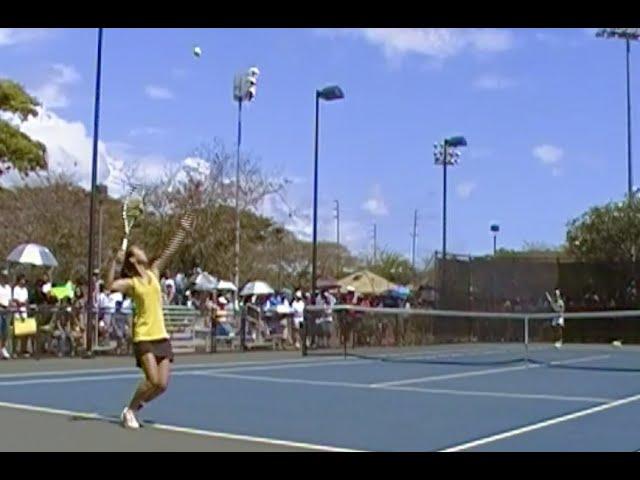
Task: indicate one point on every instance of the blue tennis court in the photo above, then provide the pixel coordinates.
(334, 403)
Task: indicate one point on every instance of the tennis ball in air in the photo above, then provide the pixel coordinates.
(197, 51)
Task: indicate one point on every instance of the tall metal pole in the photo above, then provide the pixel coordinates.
(237, 247)
(314, 258)
(94, 178)
(629, 162)
(306, 331)
(494, 244)
(444, 221)
(100, 222)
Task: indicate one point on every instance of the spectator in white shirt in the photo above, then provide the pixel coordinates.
(298, 317)
(325, 322)
(20, 297)
(5, 315)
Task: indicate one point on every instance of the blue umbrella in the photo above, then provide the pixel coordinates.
(399, 292)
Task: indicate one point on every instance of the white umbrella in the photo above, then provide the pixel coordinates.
(257, 288)
(205, 282)
(33, 254)
(225, 285)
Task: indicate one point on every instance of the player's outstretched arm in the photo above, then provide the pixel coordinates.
(121, 285)
(178, 238)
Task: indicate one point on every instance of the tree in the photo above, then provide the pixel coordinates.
(17, 150)
(394, 267)
(608, 233)
(51, 210)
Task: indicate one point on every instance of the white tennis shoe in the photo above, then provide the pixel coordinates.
(128, 419)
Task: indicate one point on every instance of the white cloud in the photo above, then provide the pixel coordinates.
(297, 218)
(548, 154)
(490, 81)
(140, 131)
(437, 43)
(15, 36)
(52, 94)
(158, 93)
(375, 204)
(69, 147)
(465, 189)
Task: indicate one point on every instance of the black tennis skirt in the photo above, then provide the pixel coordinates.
(161, 349)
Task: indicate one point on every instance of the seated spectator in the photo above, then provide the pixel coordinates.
(20, 298)
(62, 328)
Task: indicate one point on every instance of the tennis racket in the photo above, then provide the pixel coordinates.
(132, 209)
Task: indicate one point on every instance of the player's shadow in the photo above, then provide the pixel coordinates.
(110, 419)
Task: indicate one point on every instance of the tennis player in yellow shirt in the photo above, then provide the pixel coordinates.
(151, 345)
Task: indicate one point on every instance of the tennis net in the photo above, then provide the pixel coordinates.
(606, 340)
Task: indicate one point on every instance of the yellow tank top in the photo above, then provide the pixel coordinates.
(148, 322)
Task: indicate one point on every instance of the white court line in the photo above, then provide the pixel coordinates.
(538, 426)
(448, 376)
(123, 376)
(173, 428)
(175, 367)
(288, 366)
(323, 383)
(475, 373)
(580, 360)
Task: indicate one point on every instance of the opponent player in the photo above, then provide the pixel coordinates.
(557, 304)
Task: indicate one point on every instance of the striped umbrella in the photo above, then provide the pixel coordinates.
(32, 254)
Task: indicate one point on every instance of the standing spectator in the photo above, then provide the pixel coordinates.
(121, 329)
(189, 302)
(104, 314)
(46, 285)
(20, 297)
(298, 317)
(325, 322)
(169, 293)
(180, 281)
(5, 314)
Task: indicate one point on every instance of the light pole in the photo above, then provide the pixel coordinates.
(244, 90)
(327, 94)
(445, 154)
(626, 34)
(103, 192)
(94, 192)
(495, 228)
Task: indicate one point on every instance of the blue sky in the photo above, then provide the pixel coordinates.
(543, 112)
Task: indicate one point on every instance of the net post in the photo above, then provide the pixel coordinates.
(526, 339)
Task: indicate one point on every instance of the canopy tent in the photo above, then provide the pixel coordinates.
(366, 283)
(327, 283)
